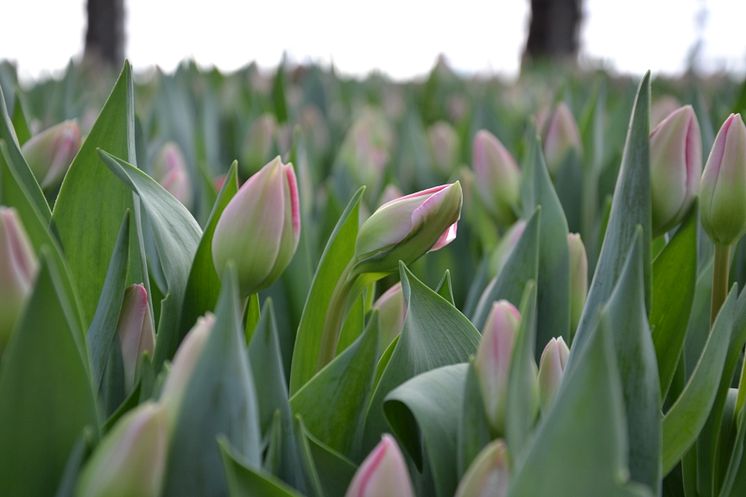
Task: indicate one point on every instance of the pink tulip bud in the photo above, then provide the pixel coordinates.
(493, 360)
(50, 152)
(258, 144)
(18, 269)
(675, 167)
(444, 147)
(260, 227)
(408, 227)
(561, 137)
(578, 277)
(723, 186)
(131, 458)
(365, 150)
(391, 314)
(135, 331)
(551, 368)
(170, 170)
(488, 474)
(497, 175)
(506, 246)
(185, 361)
(382, 474)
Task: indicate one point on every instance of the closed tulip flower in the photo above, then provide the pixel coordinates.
(18, 267)
(497, 175)
(260, 227)
(578, 277)
(488, 474)
(444, 146)
(259, 141)
(675, 167)
(170, 170)
(50, 152)
(135, 331)
(391, 314)
(382, 474)
(551, 368)
(561, 137)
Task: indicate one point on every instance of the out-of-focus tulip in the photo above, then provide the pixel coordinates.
(561, 137)
(488, 474)
(260, 227)
(391, 314)
(50, 152)
(259, 141)
(723, 187)
(135, 331)
(170, 170)
(18, 267)
(185, 361)
(551, 368)
(661, 108)
(497, 175)
(364, 152)
(131, 458)
(391, 192)
(578, 277)
(408, 227)
(506, 246)
(493, 360)
(675, 167)
(444, 147)
(382, 474)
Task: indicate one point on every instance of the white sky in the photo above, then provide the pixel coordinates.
(401, 37)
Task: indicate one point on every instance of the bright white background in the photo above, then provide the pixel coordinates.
(400, 37)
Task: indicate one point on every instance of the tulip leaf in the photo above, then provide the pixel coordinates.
(220, 399)
(579, 447)
(176, 236)
(345, 385)
(686, 417)
(734, 480)
(92, 202)
(338, 252)
(445, 287)
(553, 283)
(19, 119)
(203, 284)
(521, 266)
(46, 396)
(674, 278)
(626, 319)
(336, 471)
(424, 415)
(474, 428)
(435, 334)
(246, 481)
(630, 208)
(313, 479)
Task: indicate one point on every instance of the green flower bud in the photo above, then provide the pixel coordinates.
(488, 474)
(444, 147)
(50, 152)
(170, 170)
(578, 277)
(551, 368)
(382, 474)
(497, 176)
(135, 332)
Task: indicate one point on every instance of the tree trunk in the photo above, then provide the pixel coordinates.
(553, 31)
(104, 37)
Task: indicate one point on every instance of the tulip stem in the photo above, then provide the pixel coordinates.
(342, 297)
(719, 279)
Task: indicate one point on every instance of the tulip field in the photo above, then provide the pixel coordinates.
(294, 283)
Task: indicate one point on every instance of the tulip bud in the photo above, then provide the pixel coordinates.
(365, 150)
(258, 145)
(170, 170)
(135, 331)
(497, 175)
(382, 474)
(488, 474)
(661, 108)
(551, 368)
(723, 186)
(675, 167)
(444, 146)
(578, 277)
(131, 458)
(185, 361)
(18, 268)
(506, 246)
(493, 360)
(561, 137)
(50, 152)
(408, 227)
(260, 227)
(391, 314)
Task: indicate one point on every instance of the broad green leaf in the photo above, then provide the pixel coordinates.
(522, 265)
(474, 429)
(46, 395)
(313, 478)
(247, 481)
(684, 421)
(424, 415)
(345, 385)
(579, 447)
(92, 202)
(74, 464)
(435, 334)
(336, 470)
(176, 237)
(630, 208)
(674, 276)
(626, 319)
(219, 400)
(338, 252)
(19, 120)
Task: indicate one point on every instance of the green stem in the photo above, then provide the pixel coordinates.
(719, 279)
(339, 303)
